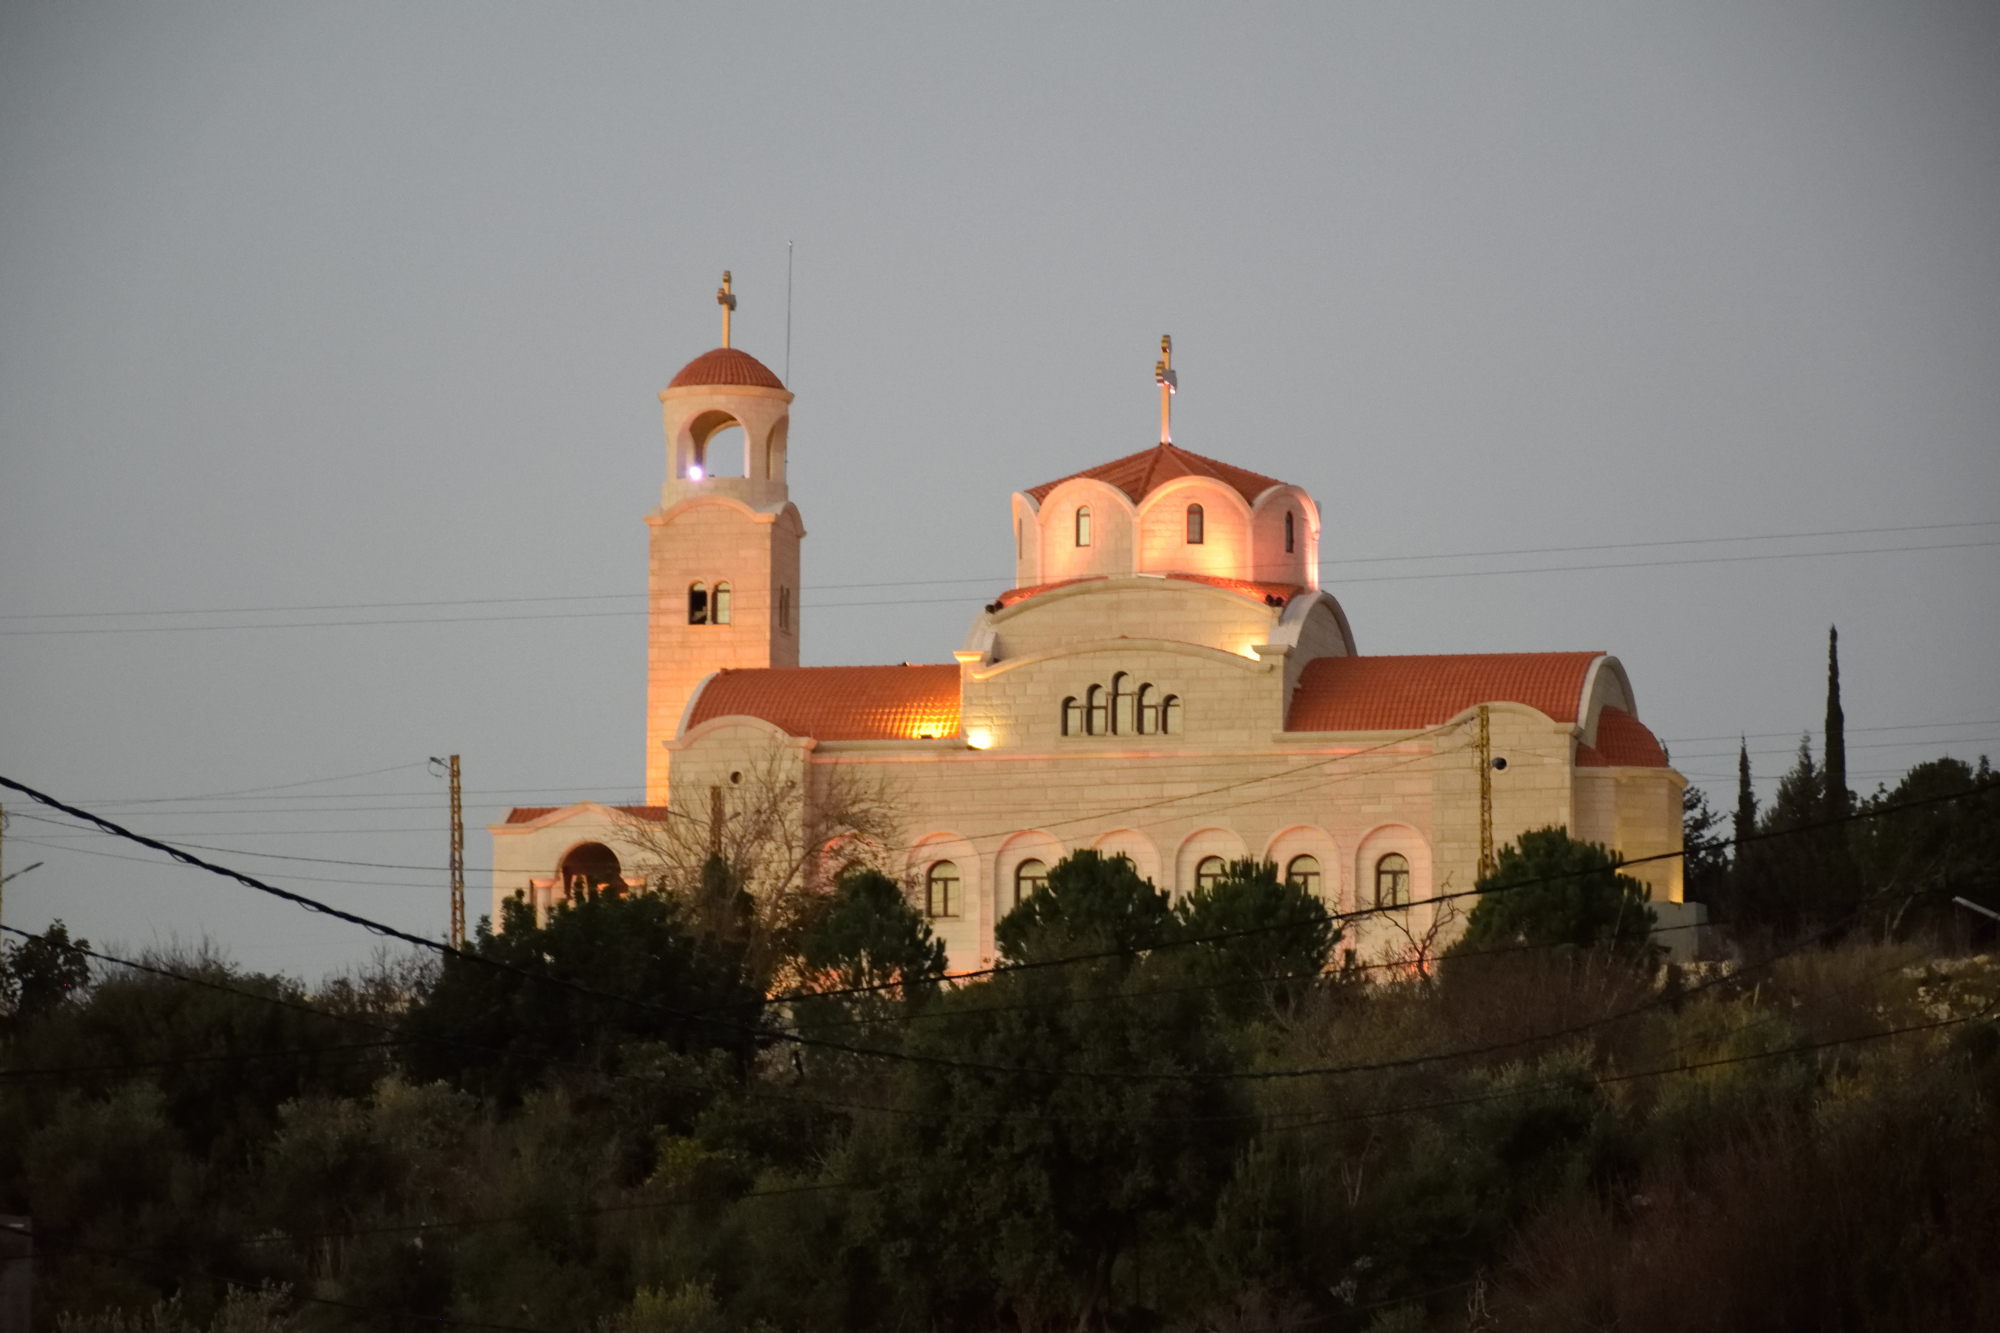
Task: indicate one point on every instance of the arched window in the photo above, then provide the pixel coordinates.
(1170, 715)
(1148, 710)
(1392, 881)
(1288, 532)
(1121, 705)
(589, 865)
(1194, 525)
(1095, 719)
(1029, 876)
(1303, 873)
(941, 898)
(721, 603)
(1208, 872)
(1072, 719)
(697, 604)
(785, 609)
(1083, 525)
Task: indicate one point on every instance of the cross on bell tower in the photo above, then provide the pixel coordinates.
(1163, 375)
(727, 300)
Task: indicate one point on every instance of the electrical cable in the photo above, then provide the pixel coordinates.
(905, 1057)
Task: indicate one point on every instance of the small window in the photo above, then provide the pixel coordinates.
(721, 600)
(1121, 705)
(1392, 881)
(698, 604)
(1072, 717)
(1148, 710)
(1288, 532)
(1095, 719)
(1170, 715)
(1194, 525)
(1208, 872)
(1029, 877)
(1083, 525)
(785, 609)
(941, 899)
(1303, 873)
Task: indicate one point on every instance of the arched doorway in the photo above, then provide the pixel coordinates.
(592, 864)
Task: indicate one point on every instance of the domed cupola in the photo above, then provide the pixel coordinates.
(717, 390)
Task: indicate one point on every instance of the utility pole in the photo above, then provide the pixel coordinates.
(1486, 864)
(457, 854)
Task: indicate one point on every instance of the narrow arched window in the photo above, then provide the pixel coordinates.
(1083, 525)
(1302, 872)
(1121, 705)
(1072, 717)
(1208, 872)
(721, 604)
(1170, 715)
(785, 609)
(1095, 721)
(1392, 881)
(1288, 532)
(1194, 525)
(697, 604)
(941, 897)
(1148, 709)
(1029, 877)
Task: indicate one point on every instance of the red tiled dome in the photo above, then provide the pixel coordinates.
(1139, 474)
(726, 366)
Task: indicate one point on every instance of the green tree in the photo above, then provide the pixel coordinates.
(870, 935)
(1548, 888)
(1706, 867)
(605, 969)
(1919, 859)
(1261, 942)
(42, 973)
(1060, 1117)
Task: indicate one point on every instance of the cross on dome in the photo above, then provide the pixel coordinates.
(1170, 384)
(727, 300)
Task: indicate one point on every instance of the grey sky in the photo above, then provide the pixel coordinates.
(319, 305)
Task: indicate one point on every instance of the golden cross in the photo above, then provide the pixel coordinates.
(1170, 384)
(727, 300)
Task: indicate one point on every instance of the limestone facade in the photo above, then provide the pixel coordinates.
(1166, 681)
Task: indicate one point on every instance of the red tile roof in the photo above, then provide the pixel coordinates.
(866, 703)
(1397, 693)
(726, 366)
(528, 814)
(1622, 742)
(1254, 591)
(1138, 475)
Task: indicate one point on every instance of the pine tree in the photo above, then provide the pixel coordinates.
(1839, 801)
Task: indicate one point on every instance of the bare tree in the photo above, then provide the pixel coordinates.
(1415, 955)
(780, 832)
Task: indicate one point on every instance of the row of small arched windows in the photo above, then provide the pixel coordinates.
(1197, 528)
(1122, 711)
(943, 898)
(708, 606)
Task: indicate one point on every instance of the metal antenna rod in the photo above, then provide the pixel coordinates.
(788, 314)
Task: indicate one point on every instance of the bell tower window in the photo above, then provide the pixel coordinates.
(1288, 532)
(719, 604)
(697, 604)
(1194, 525)
(1083, 525)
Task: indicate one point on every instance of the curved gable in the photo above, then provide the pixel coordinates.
(1623, 741)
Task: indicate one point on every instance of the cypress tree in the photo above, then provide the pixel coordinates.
(1835, 773)
(1746, 799)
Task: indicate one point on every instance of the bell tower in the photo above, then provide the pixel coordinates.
(723, 568)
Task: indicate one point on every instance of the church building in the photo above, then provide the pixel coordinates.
(1166, 680)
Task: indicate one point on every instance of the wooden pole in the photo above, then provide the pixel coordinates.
(457, 861)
